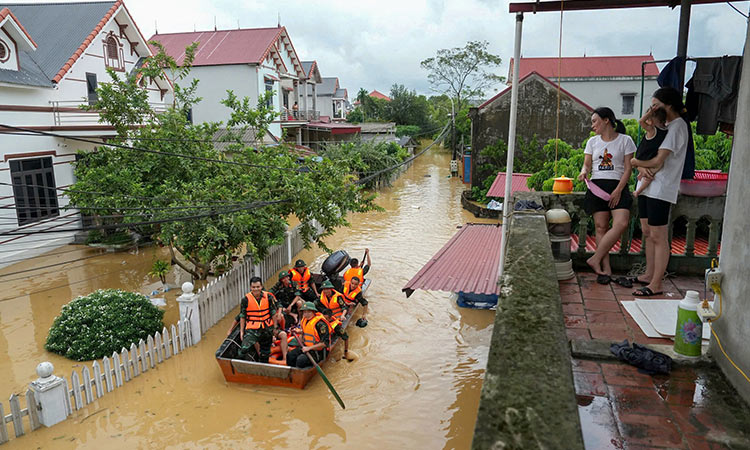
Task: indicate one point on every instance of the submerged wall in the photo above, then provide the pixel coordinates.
(528, 397)
(733, 328)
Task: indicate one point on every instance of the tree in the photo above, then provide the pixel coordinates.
(463, 72)
(408, 108)
(237, 198)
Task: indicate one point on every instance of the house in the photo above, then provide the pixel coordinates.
(332, 99)
(378, 131)
(46, 71)
(537, 111)
(249, 62)
(613, 81)
(380, 95)
(408, 143)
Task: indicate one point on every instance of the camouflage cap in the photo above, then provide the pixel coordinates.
(308, 306)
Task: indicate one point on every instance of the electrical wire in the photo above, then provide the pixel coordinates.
(738, 11)
(50, 265)
(721, 347)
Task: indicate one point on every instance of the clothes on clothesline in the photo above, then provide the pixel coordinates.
(672, 74)
(712, 92)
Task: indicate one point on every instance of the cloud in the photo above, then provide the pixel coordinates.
(374, 44)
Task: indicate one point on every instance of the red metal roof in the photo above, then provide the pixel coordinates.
(562, 90)
(517, 184)
(334, 128)
(587, 66)
(467, 263)
(377, 94)
(244, 46)
(579, 5)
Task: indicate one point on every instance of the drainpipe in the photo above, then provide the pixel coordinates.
(511, 143)
(682, 37)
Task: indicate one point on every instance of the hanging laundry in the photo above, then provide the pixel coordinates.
(712, 92)
(672, 74)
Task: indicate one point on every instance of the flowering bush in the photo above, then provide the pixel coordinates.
(102, 322)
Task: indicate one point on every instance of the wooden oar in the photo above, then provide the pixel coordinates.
(320, 371)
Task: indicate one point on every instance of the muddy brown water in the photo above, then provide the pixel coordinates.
(415, 384)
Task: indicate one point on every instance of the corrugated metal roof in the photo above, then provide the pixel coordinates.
(307, 66)
(340, 93)
(58, 29)
(467, 263)
(517, 184)
(587, 66)
(247, 46)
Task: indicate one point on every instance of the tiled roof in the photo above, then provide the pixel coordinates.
(61, 31)
(517, 184)
(587, 66)
(377, 94)
(328, 86)
(467, 263)
(307, 66)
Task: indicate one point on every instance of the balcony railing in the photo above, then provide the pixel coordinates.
(68, 112)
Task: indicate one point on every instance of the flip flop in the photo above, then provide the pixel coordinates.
(603, 279)
(646, 292)
(624, 282)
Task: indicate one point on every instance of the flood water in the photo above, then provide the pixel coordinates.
(415, 384)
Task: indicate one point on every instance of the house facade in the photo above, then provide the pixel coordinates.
(332, 100)
(613, 81)
(46, 72)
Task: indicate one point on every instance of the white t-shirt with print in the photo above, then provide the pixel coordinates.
(666, 183)
(608, 158)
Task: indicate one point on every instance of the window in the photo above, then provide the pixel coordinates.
(91, 84)
(34, 189)
(628, 103)
(113, 53)
(269, 88)
(4, 51)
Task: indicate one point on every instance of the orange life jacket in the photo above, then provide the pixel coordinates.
(335, 303)
(332, 326)
(302, 279)
(354, 272)
(350, 296)
(310, 335)
(258, 314)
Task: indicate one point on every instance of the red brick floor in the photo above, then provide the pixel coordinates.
(620, 408)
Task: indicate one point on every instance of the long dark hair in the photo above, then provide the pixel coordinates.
(608, 114)
(673, 98)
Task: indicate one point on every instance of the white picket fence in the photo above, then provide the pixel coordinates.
(103, 377)
(223, 294)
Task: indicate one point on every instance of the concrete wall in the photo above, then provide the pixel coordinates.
(213, 86)
(537, 113)
(733, 328)
(598, 93)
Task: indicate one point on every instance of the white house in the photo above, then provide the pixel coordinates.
(248, 62)
(332, 99)
(613, 81)
(52, 57)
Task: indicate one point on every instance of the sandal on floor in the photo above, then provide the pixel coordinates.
(636, 280)
(603, 279)
(624, 282)
(646, 292)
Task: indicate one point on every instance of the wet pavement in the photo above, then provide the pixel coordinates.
(416, 382)
(620, 408)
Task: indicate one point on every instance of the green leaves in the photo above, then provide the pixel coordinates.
(102, 322)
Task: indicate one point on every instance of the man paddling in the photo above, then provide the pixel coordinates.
(315, 338)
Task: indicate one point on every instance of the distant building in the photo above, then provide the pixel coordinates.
(613, 81)
(537, 115)
(332, 99)
(408, 143)
(378, 131)
(380, 95)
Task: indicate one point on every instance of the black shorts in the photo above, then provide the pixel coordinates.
(593, 204)
(653, 209)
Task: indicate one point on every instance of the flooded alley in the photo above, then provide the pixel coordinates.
(416, 382)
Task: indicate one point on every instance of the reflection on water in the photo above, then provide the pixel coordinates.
(416, 382)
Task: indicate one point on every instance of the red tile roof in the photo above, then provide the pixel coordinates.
(587, 66)
(517, 183)
(376, 94)
(562, 90)
(467, 263)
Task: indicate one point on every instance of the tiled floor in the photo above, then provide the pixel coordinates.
(620, 408)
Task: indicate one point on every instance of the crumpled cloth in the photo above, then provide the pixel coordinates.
(647, 361)
(522, 205)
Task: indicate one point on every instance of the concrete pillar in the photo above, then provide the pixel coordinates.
(50, 393)
(304, 101)
(733, 327)
(315, 96)
(189, 310)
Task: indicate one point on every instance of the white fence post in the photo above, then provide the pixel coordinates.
(290, 255)
(50, 393)
(189, 310)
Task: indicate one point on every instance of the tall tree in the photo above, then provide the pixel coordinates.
(408, 108)
(463, 72)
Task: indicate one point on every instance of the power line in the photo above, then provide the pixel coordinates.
(738, 11)
(50, 265)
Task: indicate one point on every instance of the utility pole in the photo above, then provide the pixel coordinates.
(453, 127)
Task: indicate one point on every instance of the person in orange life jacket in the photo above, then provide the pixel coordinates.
(332, 299)
(303, 279)
(336, 329)
(256, 321)
(356, 271)
(313, 331)
(352, 296)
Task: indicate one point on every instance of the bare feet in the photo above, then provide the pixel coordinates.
(595, 266)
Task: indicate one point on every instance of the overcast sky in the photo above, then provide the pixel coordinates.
(374, 44)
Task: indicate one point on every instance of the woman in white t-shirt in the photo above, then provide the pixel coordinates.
(654, 203)
(607, 159)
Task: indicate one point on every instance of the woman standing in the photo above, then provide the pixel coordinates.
(607, 159)
(657, 198)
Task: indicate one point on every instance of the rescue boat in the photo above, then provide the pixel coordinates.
(251, 372)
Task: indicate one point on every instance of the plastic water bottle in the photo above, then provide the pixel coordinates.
(688, 336)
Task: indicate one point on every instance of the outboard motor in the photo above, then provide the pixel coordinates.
(333, 265)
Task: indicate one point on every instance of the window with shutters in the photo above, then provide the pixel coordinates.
(34, 189)
(4, 51)
(113, 56)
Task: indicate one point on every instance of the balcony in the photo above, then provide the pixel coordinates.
(69, 114)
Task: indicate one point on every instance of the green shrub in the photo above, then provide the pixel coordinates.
(407, 130)
(114, 238)
(102, 322)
